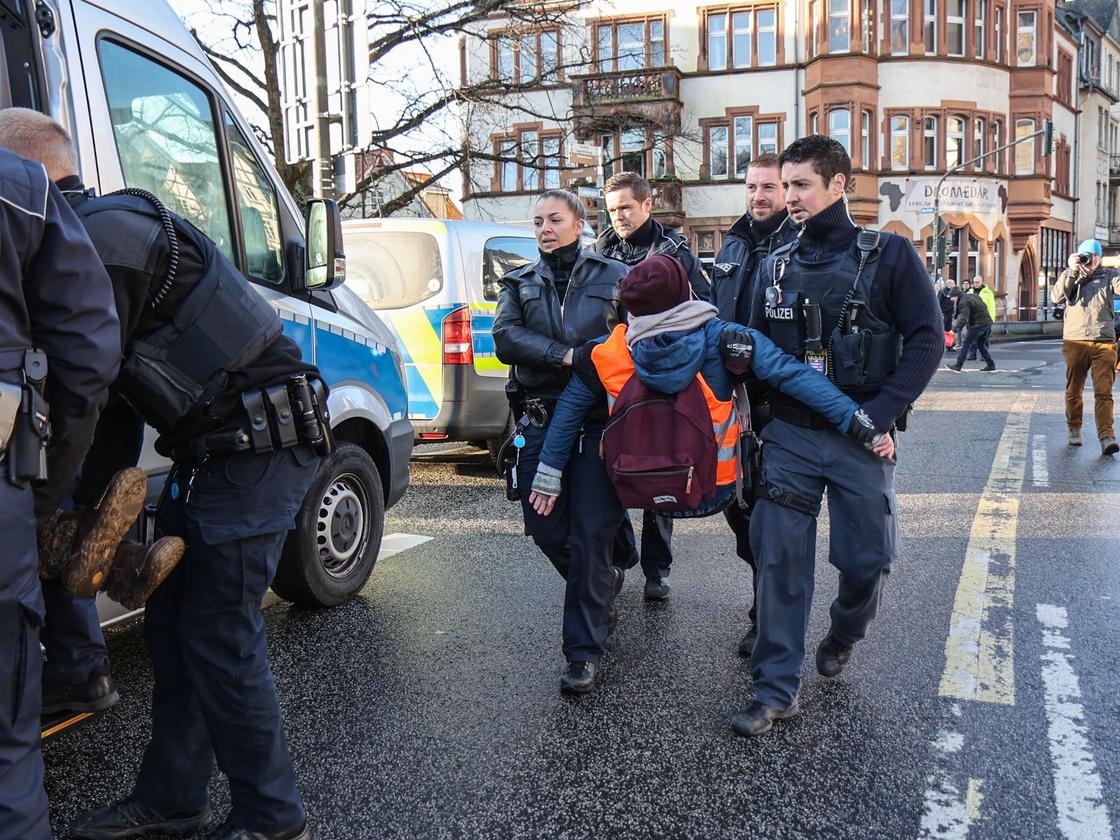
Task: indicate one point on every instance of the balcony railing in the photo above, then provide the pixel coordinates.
(628, 85)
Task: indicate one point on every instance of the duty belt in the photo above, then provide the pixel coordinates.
(796, 413)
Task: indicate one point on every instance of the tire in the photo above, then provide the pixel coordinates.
(330, 555)
(495, 443)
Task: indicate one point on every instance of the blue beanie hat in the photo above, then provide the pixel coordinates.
(1090, 246)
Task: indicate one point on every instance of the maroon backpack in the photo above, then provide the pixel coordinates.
(659, 449)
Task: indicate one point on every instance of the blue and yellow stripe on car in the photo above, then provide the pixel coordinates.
(417, 330)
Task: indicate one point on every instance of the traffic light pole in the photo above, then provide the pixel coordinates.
(939, 245)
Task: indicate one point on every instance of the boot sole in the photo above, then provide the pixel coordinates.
(116, 513)
(161, 561)
(566, 688)
(100, 705)
(175, 828)
(1110, 450)
(785, 714)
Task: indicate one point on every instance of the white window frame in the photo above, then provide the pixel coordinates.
(839, 14)
(841, 134)
(979, 141)
(928, 132)
(956, 21)
(956, 138)
(997, 33)
(865, 139)
(1024, 152)
(770, 140)
(900, 130)
(718, 146)
(736, 122)
(721, 35)
(900, 19)
(979, 28)
(735, 31)
(1022, 29)
(769, 32)
(929, 26)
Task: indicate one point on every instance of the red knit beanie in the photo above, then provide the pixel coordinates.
(656, 284)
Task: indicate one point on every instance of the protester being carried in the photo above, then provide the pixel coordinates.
(671, 341)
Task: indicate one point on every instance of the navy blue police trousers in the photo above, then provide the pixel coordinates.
(863, 543)
(578, 537)
(23, 802)
(214, 696)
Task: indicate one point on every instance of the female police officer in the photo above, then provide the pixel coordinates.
(546, 309)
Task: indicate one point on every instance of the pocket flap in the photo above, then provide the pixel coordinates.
(218, 531)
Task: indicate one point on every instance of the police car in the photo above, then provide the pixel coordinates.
(146, 109)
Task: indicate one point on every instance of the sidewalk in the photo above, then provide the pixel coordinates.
(1024, 330)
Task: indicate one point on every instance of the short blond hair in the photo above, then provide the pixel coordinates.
(37, 137)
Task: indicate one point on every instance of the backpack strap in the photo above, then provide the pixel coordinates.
(743, 409)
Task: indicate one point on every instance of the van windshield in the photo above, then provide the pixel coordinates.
(393, 269)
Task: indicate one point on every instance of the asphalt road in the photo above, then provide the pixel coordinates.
(983, 704)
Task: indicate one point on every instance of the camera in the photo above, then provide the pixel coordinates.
(1084, 259)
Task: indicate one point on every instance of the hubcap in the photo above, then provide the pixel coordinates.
(343, 527)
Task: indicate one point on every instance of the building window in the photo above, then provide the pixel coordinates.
(550, 151)
(1025, 47)
(767, 20)
(743, 139)
(507, 151)
(630, 45)
(632, 150)
(900, 27)
(997, 141)
(954, 142)
(930, 29)
(529, 162)
(998, 27)
(814, 26)
(840, 127)
(1063, 168)
(979, 127)
(659, 156)
(867, 25)
(644, 152)
(1065, 78)
(608, 156)
(839, 26)
(767, 139)
(526, 58)
(978, 28)
(814, 123)
(954, 26)
(900, 142)
(929, 143)
(865, 140)
(732, 38)
(1024, 152)
(717, 152)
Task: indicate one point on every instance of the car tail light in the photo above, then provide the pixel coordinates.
(458, 343)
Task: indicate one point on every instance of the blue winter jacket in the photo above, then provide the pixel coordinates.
(668, 363)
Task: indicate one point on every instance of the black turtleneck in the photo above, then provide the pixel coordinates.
(829, 232)
(642, 238)
(560, 261)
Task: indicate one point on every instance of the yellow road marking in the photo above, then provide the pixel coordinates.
(66, 724)
(974, 798)
(979, 653)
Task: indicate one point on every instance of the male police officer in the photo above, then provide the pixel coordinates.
(634, 235)
(859, 306)
(243, 418)
(56, 297)
(764, 227)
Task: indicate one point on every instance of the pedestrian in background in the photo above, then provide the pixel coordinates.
(545, 310)
(1089, 339)
(947, 304)
(972, 312)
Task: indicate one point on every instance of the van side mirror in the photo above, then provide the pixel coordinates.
(324, 261)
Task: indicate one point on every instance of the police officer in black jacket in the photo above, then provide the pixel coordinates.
(764, 227)
(546, 310)
(207, 366)
(54, 296)
(857, 305)
(634, 235)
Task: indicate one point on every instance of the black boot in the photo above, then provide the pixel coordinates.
(229, 832)
(96, 694)
(656, 590)
(758, 718)
(746, 644)
(832, 656)
(578, 678)
(128, 818)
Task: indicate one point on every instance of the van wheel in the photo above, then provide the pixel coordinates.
(329, 556)
(495, 443)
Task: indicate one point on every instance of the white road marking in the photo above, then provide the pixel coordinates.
(396, 543)
(1040, 474)
(979, 654)
(945, 814)
(1077, 786)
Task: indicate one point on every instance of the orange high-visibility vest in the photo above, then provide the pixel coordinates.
(614, 365)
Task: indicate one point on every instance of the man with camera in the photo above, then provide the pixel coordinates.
(1087, 289)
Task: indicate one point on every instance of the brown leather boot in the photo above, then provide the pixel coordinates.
(138, 569)
(56, 543)
(99, 531)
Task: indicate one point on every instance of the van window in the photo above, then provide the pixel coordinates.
(501, 256)
(260, 216)
(392, 269)
(166, 139)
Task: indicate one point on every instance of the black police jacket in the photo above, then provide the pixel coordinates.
(54, 295)
(533, 329)
(665, 241)
(736, 266)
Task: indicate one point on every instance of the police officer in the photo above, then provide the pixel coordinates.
(859, 306)
(241, 468)
(545, 310)
(634, 235)
(56, 298)
(764, 227)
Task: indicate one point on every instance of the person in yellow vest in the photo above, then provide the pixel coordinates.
(671, 339)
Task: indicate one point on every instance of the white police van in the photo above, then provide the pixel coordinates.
(147, 110)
